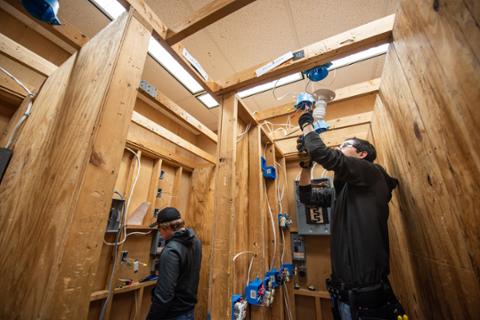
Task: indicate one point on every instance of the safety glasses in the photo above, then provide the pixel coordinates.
(346, 144)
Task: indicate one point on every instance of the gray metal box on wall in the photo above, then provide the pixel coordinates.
(314, 220)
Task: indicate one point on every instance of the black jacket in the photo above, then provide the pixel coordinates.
(359, 233)
(179, 267)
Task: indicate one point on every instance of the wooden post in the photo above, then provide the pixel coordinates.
(256, 216)
(287, 257)
(57, 191)
(223, 235)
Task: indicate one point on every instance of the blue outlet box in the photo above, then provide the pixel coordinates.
(254, 292)
(269, 172)
(272, 276)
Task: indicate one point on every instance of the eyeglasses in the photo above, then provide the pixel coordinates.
(346, 144)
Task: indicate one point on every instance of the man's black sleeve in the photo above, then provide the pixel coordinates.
(315, 198)
(352, 170)
(164, 291)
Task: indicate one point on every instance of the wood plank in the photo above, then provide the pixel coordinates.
(205, 16)
(73, 141)
(162, 132)
(150, 142)
(418, 101)
(176, 187)
(354, 40)
(338, 123)
(66, 32)
(318, 309)
(245, 114)
(152, 190)
(201, 220)
(173, 109)
(356, 90)
(330, 138)
(102, 294)
(256, 213)
(274, 244)
(223, 235)
(322, 294)
(25, 56)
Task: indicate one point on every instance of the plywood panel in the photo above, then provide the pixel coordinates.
(73, 143)
(317, 250)
(241, 211)
(183, 194)
(434, 238)
(142, 187)
(305, 307)
(202, 204)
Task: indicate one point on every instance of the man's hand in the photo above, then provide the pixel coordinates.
(305, 119)
(306, 164)
(301, 144)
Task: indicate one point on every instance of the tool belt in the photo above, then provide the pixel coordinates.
(369, 302)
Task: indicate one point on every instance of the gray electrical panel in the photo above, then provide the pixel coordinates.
(314, 220)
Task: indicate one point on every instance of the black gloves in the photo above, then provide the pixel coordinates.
(305, 119)
(301, 144)
(306, 164)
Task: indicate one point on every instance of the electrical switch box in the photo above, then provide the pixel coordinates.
(239, 307)
(315, 220)
(254, 292)
(115, 217)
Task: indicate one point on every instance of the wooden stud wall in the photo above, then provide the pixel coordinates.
(426, 128)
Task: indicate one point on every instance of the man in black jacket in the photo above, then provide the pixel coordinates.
(175, 294)
(359, 234)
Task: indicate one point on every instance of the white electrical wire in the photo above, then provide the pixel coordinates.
(27, 112)
(241, 135)
(249, 268)
(275, 96)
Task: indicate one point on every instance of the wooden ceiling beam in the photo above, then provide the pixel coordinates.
(26, 57)
(210, 13)
(172, 137)
(354, 40)
(355, 90)
(66, 32)
(172, 108)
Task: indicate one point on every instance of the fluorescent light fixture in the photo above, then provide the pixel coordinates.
(269, 85)
(168, 62)
(208, 100)
(359, 56)
(111, 8)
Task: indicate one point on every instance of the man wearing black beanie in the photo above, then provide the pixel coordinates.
(175, 294)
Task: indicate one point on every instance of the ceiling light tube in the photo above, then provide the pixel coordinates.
(158, 52)
(359, 56)
(269, 85)
(111, 8)
(208, 100)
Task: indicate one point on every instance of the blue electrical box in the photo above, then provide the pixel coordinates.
(287, 271)
(272, 277)
(254, 292)
(315, 220)
(269, 172)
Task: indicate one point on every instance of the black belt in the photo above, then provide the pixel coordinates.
(365, 296)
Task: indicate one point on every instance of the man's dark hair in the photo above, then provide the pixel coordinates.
(364, 145)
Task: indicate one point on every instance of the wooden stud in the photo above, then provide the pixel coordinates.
(223, 235)
(256, 212)
(25, 56)
(335, 124)
(167, 134)
(356, 90)
(354, 40)
(172, 109)
(205, 16)
(147, 140)
(176, 187)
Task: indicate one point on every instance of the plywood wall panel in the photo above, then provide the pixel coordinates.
(73, 143)
(424, 122)
(201, 220)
